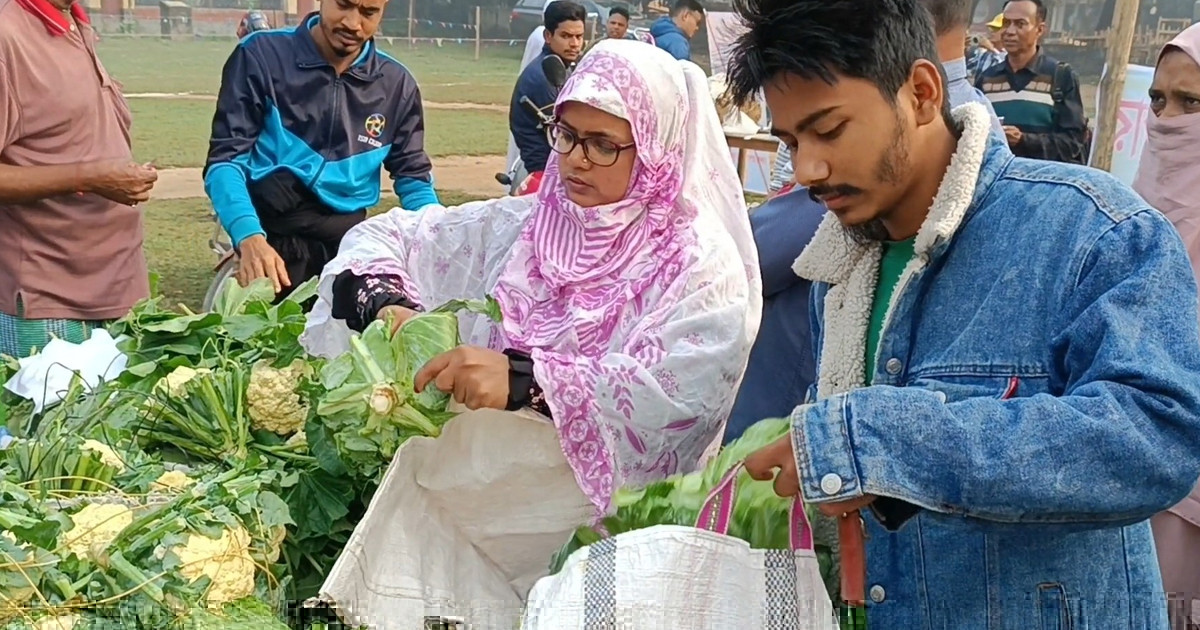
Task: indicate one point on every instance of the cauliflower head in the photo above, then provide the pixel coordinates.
(273, 402)
(95, 527)
(175, 383)
(61, 622)
(108, 456)
(171, 480)
(225, 560)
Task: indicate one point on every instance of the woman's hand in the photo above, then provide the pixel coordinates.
(477, 377)
(396, 315)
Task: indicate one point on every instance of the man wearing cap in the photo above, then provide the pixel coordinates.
(70, 237)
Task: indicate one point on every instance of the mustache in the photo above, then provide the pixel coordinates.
(816, 192)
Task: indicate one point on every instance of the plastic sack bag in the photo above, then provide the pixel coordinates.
(686, 578)
(461, 527)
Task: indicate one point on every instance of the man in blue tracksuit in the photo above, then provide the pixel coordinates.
(305, 119)
(674, 34)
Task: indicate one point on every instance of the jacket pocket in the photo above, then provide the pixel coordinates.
(1002, 385)
(1054, 611)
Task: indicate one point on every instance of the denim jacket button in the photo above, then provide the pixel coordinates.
(831, 484)
(893, 366)
(877, 594)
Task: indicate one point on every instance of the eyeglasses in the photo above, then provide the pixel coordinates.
(598, 151)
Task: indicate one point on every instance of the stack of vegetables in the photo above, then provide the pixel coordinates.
(217, 477)
(220, 475)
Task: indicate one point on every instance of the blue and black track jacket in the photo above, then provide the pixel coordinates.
(282, 106)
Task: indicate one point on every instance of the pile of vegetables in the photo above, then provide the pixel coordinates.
(217, 477)
(214, 482)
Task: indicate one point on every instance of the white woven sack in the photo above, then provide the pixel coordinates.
(462, 526)
(685, 578)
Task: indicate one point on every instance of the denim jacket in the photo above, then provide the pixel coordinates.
(1036, 398)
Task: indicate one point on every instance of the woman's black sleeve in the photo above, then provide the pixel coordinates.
(358, 299)
(523, 388)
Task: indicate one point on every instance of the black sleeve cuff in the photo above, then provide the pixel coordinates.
(358, 299)
(523, 388)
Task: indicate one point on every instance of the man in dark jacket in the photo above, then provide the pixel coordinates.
(564, 22)
(674, 34)
(1036, 96)
(305, 119)
(782, 364)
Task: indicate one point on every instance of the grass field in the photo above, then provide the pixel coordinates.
(174, 133)
(177, 233)
(446, 75)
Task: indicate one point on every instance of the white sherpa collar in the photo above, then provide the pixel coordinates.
(853, 268)
(832, 255)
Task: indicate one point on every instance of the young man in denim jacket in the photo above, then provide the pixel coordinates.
(1008, 357)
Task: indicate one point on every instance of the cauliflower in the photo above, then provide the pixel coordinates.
(299, 439)
(273, 402)
(174, 383)
(108, 456)
(61, 622)
(225, 560)
(95, 527)
(171, 480)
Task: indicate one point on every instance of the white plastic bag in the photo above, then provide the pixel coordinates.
(462, 526)
(686, 578)
(46, 376)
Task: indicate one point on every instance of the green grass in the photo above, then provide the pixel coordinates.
(176, 246)
(446, 74)
(174, 132)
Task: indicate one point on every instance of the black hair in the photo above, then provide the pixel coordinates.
(561, 11)
(948, 14)
(619, 10)
(875, 40)
(1040, 4)
(682, 6)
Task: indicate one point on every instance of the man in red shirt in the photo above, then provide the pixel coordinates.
(70, 238)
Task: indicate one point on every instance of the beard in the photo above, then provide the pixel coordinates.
(891, 169)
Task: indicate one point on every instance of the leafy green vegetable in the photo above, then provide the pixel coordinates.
(760, 517)
(368, 406)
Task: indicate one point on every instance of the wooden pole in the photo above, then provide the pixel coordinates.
(477, 32)
(1113, 84)
(412, 21)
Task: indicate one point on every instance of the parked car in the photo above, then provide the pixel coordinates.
(527, 16)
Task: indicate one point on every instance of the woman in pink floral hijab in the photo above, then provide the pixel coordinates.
(1168, 178)
(629, 285)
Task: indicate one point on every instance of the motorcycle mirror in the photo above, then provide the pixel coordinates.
(556, 71)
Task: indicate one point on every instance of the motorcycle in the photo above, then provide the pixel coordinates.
(557, 72)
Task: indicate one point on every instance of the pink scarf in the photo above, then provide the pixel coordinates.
(574, 268)
(1168, 175)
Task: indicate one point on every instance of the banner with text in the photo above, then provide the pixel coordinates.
(1131, 122)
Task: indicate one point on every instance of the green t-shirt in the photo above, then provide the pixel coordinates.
(896, 255)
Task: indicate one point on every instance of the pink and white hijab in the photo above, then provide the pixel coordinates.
(639, 315)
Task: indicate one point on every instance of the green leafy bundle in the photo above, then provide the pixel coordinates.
(367, 406)
(244, 327)
(760, 517)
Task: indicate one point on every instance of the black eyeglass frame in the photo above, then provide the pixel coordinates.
(617, 149)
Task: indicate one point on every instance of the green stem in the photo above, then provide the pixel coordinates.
(367, 361)
(64, 587)
(123, 568)
(418, 421)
